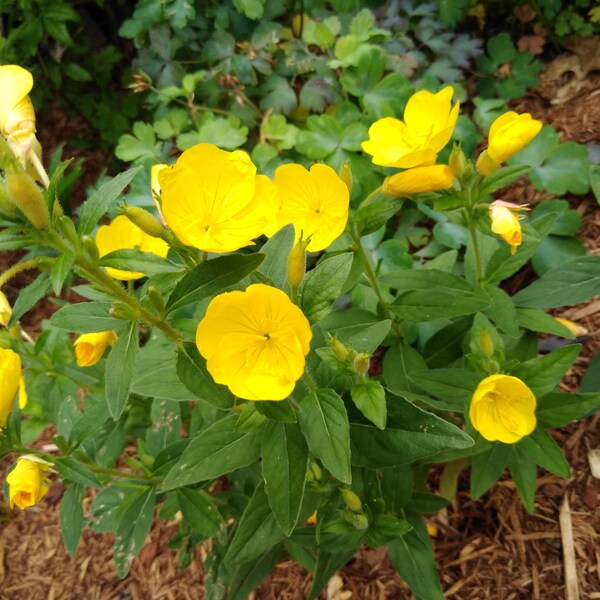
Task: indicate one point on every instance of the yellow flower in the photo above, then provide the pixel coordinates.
(255, 342)
(508, 134)
(429, 120)
(419, 179)
(90, 347)
(575, 328)
(315, 201)
(208, 199)
(27, 482)
(503, 409)
(121, 234)
(505, 222)
(11, 380)
(5, 310)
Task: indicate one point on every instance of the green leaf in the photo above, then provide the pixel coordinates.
(71, 517)
(412, 556)
(399, 362)
(276, 252)
(86, 317)
(321, 138)
(280, 410)
(228, 133)
(257, 530)
(536, 319)
(543, 374)
(524, 474)
(278, 95)
(199, 511)
(541, 448)
(558, 409)
(248, 576)
(411, 434)
(501, 178)
(76, 472)
(324, 422)
(502, 310)
(591, 378)
(486, 468)
(29, 296)
(387, 97)
(323, 285)
(133, 530)
(555, 251)
(253, 9)
(595, 181)
(119, 370)
(454, 386)
(192, 372)
(369, 397)
(376, 214)
(284, 464)
(132, 259)
(369, 339)
(451, 12)
(217, 450)
(367, 73)
(102, 200)
(59, 271)
(566, 171)
(327, 565)
(212, 277)
(165, 416)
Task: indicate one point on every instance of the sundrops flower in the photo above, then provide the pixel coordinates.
(419, 179)
(508, 134)
(209, 199)
(122, 234)
(503, 409)
(11, 380)
(315, 201)
(429, 121)
(255, 342)
(505, 222)
(27, 482)
(90, 347)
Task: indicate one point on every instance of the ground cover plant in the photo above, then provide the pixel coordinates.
(239, 388)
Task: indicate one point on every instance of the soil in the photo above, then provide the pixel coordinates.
(489, 548)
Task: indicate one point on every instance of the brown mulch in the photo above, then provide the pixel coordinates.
(486, 549)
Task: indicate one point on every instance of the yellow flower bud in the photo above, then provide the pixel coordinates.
(346, 175)
(361, 363)
(296, 264)
(503, 409)
(25, 193)
(11, 380)
(90, 347)
(351, 500)
(144, 220)
(575, 328)
(27, 482)
(418, 180)
(486, 344)
(457, 160)
(5, 310)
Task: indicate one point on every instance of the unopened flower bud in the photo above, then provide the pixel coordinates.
(25, 193)
(144, 220)
(120, 310)
(351, 500)
(156, 298)
(346, 175)
(341, 352)
(486, 344)
(359, 520)
(361, 363)
(457, 160)
(296, 264)
(90, 248)
(7, 206)
(315, 470)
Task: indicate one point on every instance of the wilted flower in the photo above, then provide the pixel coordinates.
(27, 482)
(315, 201)
(419, 179)
(208, 199)
(11, 380)
(508, 134)
(90, 347)
(429, 121)
(503, 409)
(505, 222)
(255, 342)
(122, 234)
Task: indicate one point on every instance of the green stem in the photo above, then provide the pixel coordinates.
(117, 473)
(370, 197)
(375, 282)
(468, 214)
(16, 269)
(312, 386)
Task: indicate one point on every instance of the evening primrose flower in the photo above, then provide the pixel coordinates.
(508, 134)
(5, 310)
(27, 482)
(209, 199)
(419, 179)
(90, 347)
(315, 201)
(11, 380)
(429, 121)
(255, 342)
(121, 234)
(503, 409)
(505, 222)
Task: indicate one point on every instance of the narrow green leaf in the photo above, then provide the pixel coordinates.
(102, 200)
(323, 285)
(71, 517)
(199, 511)
(399, 363)
(76, 472)
(212, 277)
(86, 317)
(558, 409)
(486, 468)
(29, 296)
(369, 397)
(284, 464)
(132, 259)
(217, 450)
(501, 178)
(249, 576)
(376, 214)
(59, 271)
(327, 565)
(165, 416)
(541, 448)
(276, 251)
(119, 370)
(454, 386)
(524, 473)
(324, 423)
(536, 319)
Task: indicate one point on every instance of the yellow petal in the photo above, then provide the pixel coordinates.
(419, 179)
(15, 106)
(509, 133)
(10, 380)
(90, 347)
